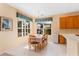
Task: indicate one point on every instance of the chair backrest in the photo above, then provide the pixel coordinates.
(31, 38)
(45, 37)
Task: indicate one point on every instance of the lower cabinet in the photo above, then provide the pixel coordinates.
(61, 39)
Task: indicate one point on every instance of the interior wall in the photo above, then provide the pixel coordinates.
(55, 29)
(34, 27)
(9, 39)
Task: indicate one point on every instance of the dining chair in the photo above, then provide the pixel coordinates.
(44, 41)
(33, 43)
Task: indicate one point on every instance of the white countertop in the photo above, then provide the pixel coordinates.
(71, 37)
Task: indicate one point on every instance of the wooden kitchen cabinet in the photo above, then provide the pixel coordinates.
(61, 39)
(62, 23)
(69, 22)
(76, 22)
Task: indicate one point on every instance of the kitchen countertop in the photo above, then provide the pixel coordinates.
(71, 37)
(72, 46)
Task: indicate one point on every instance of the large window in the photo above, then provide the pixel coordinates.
(43, 28)
(23, 28)
(47, 28)
(19, 28)
(44, 25)
(23, 25)
(40, 28)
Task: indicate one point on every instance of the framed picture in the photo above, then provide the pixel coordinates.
(6, 24)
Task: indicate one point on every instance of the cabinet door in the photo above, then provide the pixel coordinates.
(62, 23)
(76, 22)
(61, 39)
(69, 22)
(0, 24)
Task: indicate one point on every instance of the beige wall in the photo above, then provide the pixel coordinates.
(9, 39)
(55, 29)
(55, 25)
(33, 27)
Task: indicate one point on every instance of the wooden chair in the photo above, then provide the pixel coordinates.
(44, 41)
(33, 43)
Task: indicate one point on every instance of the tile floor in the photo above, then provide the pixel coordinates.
(5, 54)
(52, 49)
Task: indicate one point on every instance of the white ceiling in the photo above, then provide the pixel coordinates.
(46, 9)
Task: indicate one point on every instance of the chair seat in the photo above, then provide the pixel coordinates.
(34, 42)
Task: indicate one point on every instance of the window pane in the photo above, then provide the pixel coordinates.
(19, 24)
(39, 31)
(48, 31)
(28, 30)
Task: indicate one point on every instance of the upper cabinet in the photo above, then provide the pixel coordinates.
(76, 22)
(69, 22)
(62, 23)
